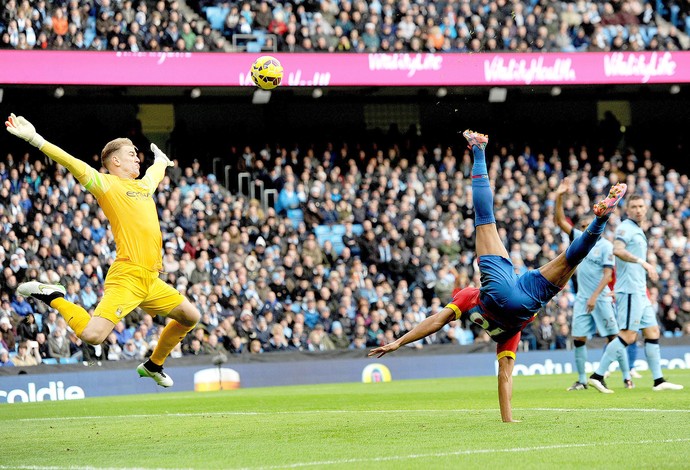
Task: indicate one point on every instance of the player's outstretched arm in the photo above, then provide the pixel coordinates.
(430, 325)
(156, 172)
(22, 128)
(505, 388)
(560, 214)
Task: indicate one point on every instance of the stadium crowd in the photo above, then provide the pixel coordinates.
(346, 26)
(360, 246)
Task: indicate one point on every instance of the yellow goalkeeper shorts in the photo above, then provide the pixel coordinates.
(128, 286)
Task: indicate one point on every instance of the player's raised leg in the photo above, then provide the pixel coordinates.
(184, 318)
(560, 270)
(487, 240)
(91, 330)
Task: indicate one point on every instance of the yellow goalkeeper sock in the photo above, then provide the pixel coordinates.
(77, 318)
(171, 335)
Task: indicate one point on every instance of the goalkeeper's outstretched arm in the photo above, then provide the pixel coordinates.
(156, 172)
(85, 174)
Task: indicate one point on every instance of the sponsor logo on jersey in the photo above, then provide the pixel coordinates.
(141, 195)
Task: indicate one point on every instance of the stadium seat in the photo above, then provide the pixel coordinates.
(675, 12)
(660, 7)
(69, 360)
(321, 230)
(216, 16)
(253, 46)
(648, 32)
(260, 37)
(89, 36)
(39, 320)
(334, 234)
(51, 361)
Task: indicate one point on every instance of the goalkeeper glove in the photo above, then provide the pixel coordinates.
(19, 126)
(159, 156)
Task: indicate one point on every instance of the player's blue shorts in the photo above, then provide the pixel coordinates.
(507, 295)
(602, 319)
(634, 311)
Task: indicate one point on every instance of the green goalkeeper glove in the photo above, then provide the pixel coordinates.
(19, 126)
(159, 156)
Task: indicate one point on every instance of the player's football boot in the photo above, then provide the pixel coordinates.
(628, 383)
(475, 138)
(606, 206)
(161, 378)
(634, 374)
(599, 384)
(577, 386)
(666, 386)
(43, 292)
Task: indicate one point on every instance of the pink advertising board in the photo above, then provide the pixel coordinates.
(427, 69)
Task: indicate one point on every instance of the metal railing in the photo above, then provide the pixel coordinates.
(254, 42)
(253, 189)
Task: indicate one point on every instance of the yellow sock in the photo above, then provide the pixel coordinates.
(171, 335)
(77, 318)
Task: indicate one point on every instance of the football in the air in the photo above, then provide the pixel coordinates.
(267, 73)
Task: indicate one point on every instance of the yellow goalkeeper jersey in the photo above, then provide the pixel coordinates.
(127, 203)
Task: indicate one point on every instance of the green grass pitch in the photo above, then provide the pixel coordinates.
(448, 423)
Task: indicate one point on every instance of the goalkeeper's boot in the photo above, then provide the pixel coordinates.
(44, 292)
(151, 370)
(606, 206)
(475, 138)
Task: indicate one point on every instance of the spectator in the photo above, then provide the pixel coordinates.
(113, 347)
(43, 349)
(278, 341)
(7, 336)
(27, 354)
(59, 345)
(21, 307)
(5, 360)
(28, 329)
(130, 352)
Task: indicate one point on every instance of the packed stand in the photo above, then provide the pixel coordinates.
(112, 25)
(346, 26)
(466, 26)
(360, 247)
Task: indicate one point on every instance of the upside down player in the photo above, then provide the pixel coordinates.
(132, 280)
(506, 303)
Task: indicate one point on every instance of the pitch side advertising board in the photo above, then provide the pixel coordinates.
(105, 382)
(421, 69)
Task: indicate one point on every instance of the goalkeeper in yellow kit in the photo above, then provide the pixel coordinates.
(132, 280)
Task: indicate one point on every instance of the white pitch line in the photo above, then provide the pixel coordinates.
(380, 459)
(73, 467)
(461, 452)
(588, 410)
(317, 412)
